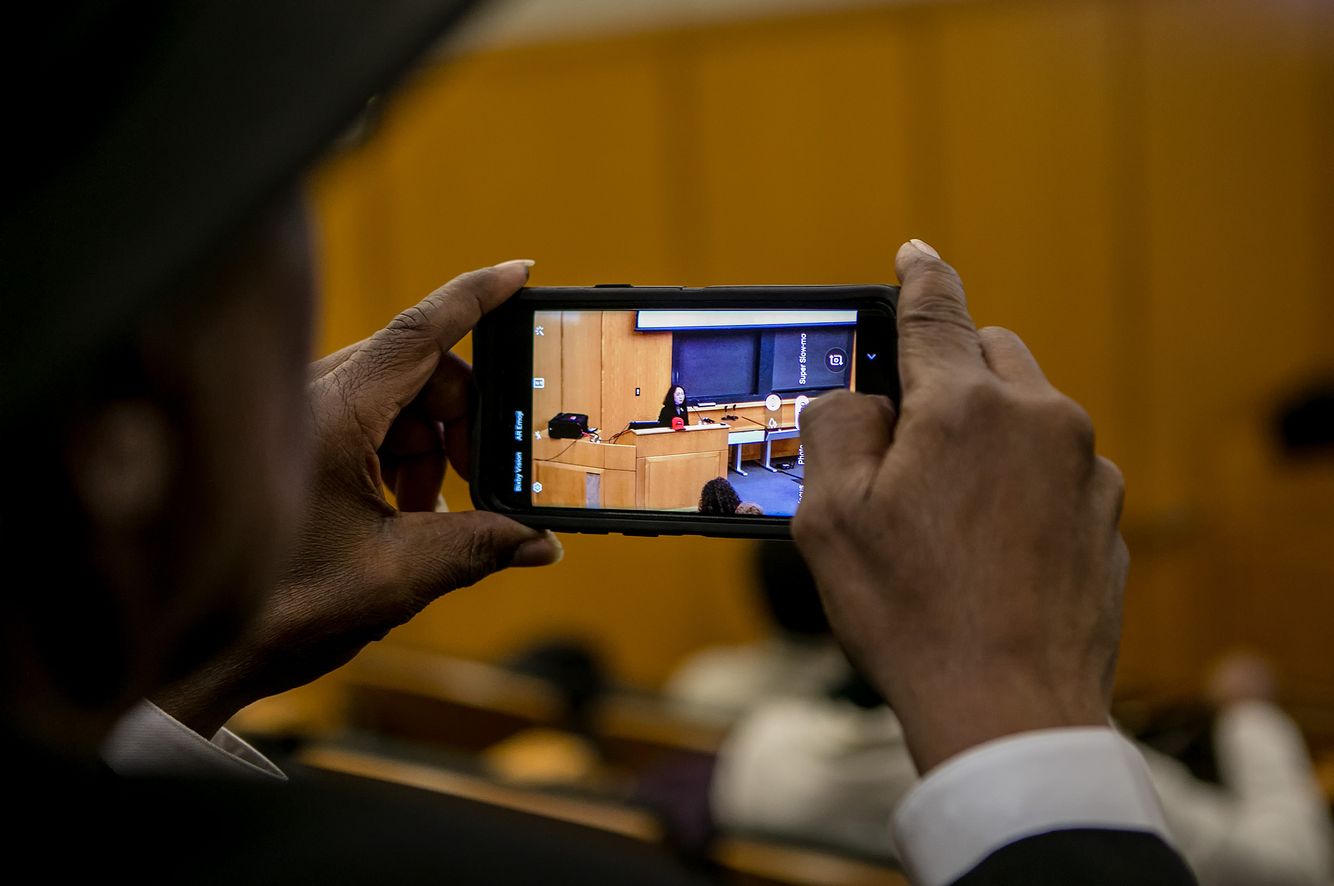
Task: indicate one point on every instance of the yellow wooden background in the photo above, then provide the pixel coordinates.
(1143, 189)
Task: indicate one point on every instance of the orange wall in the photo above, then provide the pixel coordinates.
(1141, 188)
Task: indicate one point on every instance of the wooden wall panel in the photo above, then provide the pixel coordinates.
(1230, 255)
(618, 488)
(1231, 229)
(1023, 180)
(581, 364)
(676, 481)
(1141, 188)
(798, 169)
(1320, 37)
(358, 285)
(632, 360)
(550, 153)
(563, 485)
(1036, 173)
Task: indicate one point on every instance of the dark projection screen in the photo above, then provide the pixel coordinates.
(712, 366)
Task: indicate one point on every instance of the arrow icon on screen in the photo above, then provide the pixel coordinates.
(870, 356)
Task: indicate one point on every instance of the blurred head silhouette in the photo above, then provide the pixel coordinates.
(155, 261)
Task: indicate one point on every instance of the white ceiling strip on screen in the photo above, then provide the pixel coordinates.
(649, 320)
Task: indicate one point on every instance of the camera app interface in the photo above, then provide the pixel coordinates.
(692, 411)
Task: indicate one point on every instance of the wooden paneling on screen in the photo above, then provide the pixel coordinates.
(631, 360)
(593, 362)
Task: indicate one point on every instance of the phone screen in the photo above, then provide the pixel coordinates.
(666, 409)
(684, 410)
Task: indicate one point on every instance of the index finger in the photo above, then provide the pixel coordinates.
(391, 367)
(936, 332)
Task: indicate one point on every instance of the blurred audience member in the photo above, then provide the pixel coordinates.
(815, 769)
(1305, 421)
(1268, 822)
(800, 656)
(830, 770)
(565, 752)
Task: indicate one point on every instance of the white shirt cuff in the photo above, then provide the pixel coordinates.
(1019, 786)
(149, 741)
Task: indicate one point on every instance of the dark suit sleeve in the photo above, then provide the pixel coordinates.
(1088, 857)
(665, 417)
(333, 830)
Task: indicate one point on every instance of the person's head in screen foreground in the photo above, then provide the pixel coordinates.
(718, 497)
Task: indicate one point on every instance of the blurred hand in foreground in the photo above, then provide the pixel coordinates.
(1241, 676)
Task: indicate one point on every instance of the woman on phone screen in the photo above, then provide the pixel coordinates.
(674, 406)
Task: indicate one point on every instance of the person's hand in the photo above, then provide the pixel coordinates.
(967, 549)
(388, 411)
(1238, 677)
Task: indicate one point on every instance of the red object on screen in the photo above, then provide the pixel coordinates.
(677, 423)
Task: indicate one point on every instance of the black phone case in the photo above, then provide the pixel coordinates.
(496, 369)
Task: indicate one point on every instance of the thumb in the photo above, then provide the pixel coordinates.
(387, 371)
(438, 553)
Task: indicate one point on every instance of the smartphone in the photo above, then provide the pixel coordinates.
(666, 410)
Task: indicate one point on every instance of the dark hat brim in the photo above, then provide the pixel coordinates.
(193, 115)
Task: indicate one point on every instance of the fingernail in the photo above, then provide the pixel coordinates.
(526, 262)
(923, 246)
(544, 550)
